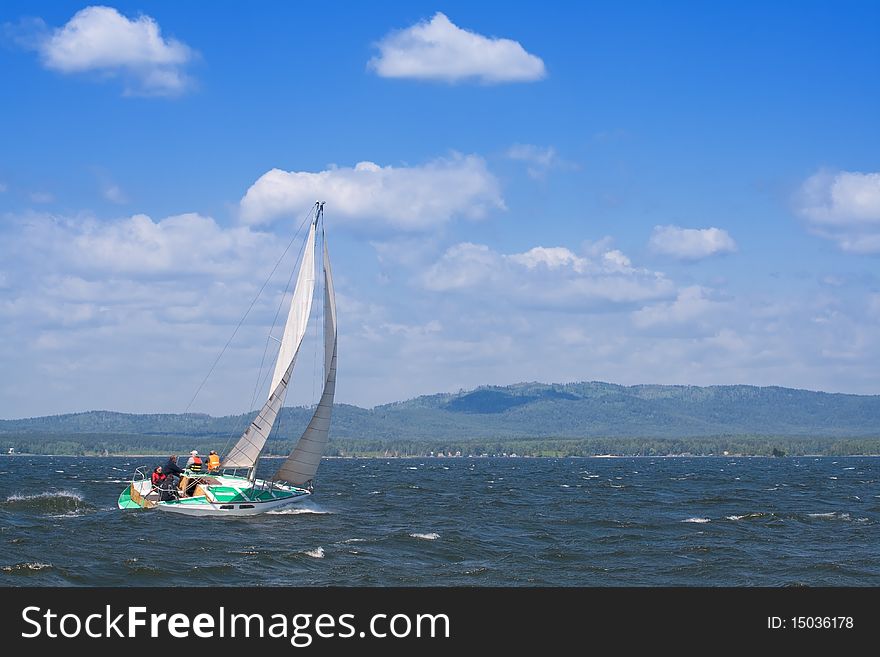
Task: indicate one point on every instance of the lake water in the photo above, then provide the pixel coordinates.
(475, 522)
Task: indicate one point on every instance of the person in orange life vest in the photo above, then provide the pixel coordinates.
(213, 461)
(194, 464)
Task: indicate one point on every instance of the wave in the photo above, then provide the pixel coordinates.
(317, 553)
(297, 510)
(432, 536)
(749, 516)
(833, 515)
(697, 520)
(26, 568)
(51, 502)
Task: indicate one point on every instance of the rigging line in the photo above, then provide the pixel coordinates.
(244, 317)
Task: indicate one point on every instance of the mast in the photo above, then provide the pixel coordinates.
(246, 452)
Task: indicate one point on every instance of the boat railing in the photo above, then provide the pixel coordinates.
(139, 475)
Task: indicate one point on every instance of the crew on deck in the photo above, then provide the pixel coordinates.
(194, 464)
(213, 461)
(158, 477)
(171, 468)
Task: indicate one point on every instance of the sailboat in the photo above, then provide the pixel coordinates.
(234, 489)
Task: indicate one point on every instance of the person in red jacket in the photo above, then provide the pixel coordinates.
(157, 477)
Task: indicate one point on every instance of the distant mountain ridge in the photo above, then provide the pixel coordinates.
(529, 410)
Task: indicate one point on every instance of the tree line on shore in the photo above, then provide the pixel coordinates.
(747, 445)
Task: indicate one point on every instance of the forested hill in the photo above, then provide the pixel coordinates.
(527, 410)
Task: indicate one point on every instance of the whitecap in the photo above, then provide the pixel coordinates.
(432, 536)
(317, 553)
(297, 511)
(17, 497)
(833, 515)
(745, 515)
(697, 520)
(35, 565)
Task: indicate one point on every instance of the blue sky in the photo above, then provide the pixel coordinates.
(634, 192)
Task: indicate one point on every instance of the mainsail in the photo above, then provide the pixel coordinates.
(247, 450)
(301, 465)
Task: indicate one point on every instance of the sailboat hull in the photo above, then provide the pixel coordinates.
(217, 496)
(229, 510)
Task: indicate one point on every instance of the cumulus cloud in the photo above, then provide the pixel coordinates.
(101, 40)
(690, 243)
(546, 277)
(692, 304)
(843, 206)
(86, 303)
(408, 198)
(440, 50)
(186, 243)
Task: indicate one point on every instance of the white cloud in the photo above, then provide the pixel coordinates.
(692, 304)
(690, 243)
(186, 243)
(408, 198)
(540, 159)
(843, 206)
(100, 39)
(546, 277)
(85, 304)
(114, 194)
(439, 50)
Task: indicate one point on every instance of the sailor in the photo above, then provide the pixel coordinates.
(213, 461)
(194, 464)
(167, 490)
(171, 468)
(158, 477)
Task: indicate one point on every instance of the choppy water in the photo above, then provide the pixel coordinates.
(480, 522)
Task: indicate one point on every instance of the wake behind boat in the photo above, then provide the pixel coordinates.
(233, 489)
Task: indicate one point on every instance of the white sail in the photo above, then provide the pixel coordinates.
(299, 468)
(300, 308)
(247, 450)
